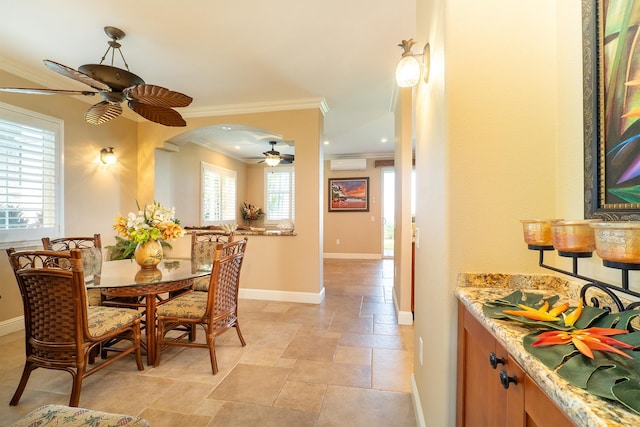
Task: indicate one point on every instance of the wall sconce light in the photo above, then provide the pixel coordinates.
(272, 160)
(409, 68)
(107, 156)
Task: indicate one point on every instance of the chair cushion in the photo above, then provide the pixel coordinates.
(103, 319)
(61, 415)
(94, 297)
(191, 305)
(201, 284)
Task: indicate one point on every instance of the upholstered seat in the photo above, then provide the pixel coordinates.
(215, 311)
(66, 416)
(61, 330)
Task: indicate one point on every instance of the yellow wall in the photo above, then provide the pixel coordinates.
(93, 193)
(490, 137)
(290, 264)
(360, 233)
(403, 165)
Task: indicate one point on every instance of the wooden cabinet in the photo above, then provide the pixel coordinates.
(492, 388)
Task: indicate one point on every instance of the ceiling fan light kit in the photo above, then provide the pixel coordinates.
(116, 86)
(274, 158)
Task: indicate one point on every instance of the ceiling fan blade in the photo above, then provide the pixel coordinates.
(76, 75)
(102, 112)
(157, 95)
(35, 91)
(158, 114)
(286, 157)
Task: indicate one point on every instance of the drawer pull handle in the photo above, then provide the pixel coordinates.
(495, 360)
(505, 379)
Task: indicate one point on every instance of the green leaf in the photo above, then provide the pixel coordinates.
(627, 393)
(588, 316)
(617, 320)
(550, 356)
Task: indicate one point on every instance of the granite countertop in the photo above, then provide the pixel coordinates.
(248, 232)
(585, 409)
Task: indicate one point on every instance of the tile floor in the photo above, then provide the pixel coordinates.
(343, 362)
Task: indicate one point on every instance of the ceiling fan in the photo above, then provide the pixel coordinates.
(274, 158)
(115, 86)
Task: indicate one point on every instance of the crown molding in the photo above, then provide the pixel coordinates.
(256, 107)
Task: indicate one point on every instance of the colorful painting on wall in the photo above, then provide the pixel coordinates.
(349, 194)
(611, 61)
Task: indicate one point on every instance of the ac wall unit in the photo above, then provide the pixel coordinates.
(348, 164)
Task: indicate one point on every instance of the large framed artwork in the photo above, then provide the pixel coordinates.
(611, 96)
(349, 194)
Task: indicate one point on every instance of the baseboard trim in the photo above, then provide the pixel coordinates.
(351, 256)
(404, 317)
(11, 325)
(417, 405)
(286, 296)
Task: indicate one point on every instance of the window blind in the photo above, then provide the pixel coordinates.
(30, 178)
(218, 194)
(280, 194)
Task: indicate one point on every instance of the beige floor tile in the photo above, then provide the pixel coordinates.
(353, 355)
(252, 384)
(160, 418)
(286, 363)
(357, 407)
(331, 373)
(209, 407)
(386, 329)
(301, 396)
(392, 370)
(183, 397)
(265, 356)
(354, 324)
(269, 382)
(372, 341)
(377, 308)
(235, 414)
(311, 347)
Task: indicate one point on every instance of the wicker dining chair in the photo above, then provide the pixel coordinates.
(61, 330)
(91, 248)
(215, 311)
(203, 245)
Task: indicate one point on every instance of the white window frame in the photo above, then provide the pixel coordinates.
(29, 236)
(229, 206)
(268, 220)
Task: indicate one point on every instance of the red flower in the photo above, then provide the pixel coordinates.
(586, 340)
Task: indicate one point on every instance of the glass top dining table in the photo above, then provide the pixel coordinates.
(123, 283)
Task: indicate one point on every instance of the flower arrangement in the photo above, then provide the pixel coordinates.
(250, 212)
(154, 222)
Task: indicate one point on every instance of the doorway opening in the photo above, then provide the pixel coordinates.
(388, 211)
(388, 208)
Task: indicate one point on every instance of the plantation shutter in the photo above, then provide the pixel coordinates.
(218, 194)
(30, 184)
(280, 193)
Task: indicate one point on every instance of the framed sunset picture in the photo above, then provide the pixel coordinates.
(349, 194)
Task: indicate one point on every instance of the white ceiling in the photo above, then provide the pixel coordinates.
(231, 56)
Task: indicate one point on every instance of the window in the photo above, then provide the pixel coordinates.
(279, 194)
(218, 194)
(30, 176)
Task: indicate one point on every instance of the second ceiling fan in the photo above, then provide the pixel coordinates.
(274, 158)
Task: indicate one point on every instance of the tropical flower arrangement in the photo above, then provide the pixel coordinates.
(577, 344)
(250, 212)
(154, 222)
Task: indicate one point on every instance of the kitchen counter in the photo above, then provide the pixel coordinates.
(243, 232)
(581, 407)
